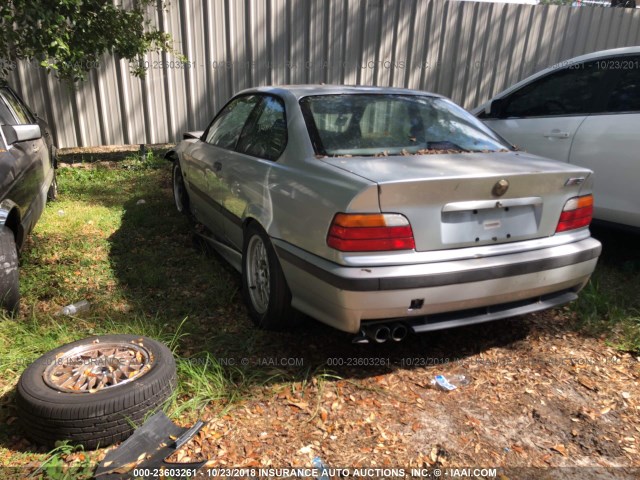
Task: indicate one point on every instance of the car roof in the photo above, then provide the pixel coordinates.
(605, 53)
(300, 91)
(557, 66)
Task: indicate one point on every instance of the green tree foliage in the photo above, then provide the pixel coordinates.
(70, 36)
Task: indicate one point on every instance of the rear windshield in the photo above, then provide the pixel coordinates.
(378, 124)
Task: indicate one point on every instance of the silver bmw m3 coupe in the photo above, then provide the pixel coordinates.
(382, 211)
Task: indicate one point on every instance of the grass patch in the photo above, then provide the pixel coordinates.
(114, 239)
(66, 462)
(609, 306)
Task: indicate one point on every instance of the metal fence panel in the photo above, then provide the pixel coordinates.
(466, 51)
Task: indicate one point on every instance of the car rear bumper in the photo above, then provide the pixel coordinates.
(468, 291)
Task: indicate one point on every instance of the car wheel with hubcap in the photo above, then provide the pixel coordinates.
(94, 391)
(52, 193)
(180, 195)
(264, 287)
(9, 276)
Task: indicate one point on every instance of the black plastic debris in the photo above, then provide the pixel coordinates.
(147, 450)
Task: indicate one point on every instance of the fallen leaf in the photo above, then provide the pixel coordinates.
(324, 415)
(434, 454)
(561, 449)
(306, 449)
(300, 405)
(585, 382)
(517, 449)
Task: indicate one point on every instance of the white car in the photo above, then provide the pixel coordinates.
(585, 111)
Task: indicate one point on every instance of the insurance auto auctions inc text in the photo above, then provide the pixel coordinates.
(368, 472)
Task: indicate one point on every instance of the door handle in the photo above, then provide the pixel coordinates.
(556, 134)
(217, 166)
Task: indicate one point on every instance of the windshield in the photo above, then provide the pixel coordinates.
(389, 124)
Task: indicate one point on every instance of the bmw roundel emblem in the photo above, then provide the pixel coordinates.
(500, 188)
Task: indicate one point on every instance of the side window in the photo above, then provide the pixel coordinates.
(6, 117)
(225, 130)
(625, 96)
(570, 91)
(20, 113)
(267, 136)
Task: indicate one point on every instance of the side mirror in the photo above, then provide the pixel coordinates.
(21, 133)
(188, 135)
(496, 108)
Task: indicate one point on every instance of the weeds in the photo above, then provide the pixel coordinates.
(609, 305)
(58, 465)
(206, 381)
(114, 239)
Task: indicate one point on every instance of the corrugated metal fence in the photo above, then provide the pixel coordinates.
(467, 51)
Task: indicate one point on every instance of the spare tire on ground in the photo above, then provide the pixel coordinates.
(95, 391)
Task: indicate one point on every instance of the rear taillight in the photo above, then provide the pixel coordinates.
(577, 213)
(370, 232)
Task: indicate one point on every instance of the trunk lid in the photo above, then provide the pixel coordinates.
(455, 201)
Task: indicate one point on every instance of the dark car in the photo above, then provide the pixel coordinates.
(27, 181)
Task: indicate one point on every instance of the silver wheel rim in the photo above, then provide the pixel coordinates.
(178, 188)
(98, 366)
(258, 274)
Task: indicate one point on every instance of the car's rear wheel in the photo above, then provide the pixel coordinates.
(180, 195)
(9, 276)
(52, 193)
(94, 391)
(264, 287)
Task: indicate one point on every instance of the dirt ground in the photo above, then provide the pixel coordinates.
(540, 395)
(543, 401)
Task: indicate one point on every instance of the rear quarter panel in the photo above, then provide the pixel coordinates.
(305, 197)
(306, 193)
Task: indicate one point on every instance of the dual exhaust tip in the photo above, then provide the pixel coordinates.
(382, 333)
